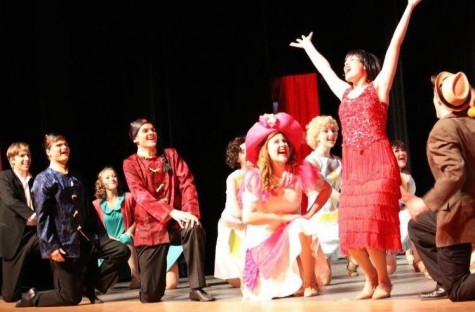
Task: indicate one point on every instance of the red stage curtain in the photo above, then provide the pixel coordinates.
(298, 96)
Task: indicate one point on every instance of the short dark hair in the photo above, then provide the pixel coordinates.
(135, 126)
(369, 60)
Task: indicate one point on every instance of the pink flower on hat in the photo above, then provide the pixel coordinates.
(269, 121)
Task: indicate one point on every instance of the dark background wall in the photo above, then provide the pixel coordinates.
(203, 73)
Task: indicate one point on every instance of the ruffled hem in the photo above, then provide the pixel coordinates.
(271, 269)
(369, 201)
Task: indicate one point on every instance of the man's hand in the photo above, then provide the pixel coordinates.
(415, 206)
(185, 219)
(58, 255)
(31, 221)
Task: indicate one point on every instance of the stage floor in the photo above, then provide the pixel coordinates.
(338, 296)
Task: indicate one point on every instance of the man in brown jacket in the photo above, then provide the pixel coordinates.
(443, 221)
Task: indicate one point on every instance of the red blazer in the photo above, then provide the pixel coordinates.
(157, 193)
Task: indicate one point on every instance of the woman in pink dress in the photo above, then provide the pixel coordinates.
(279, 259)
(368, 212)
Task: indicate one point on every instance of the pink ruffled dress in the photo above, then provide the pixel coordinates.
(270, 268)
(368, 211)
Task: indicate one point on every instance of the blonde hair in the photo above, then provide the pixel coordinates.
(15, 149)
(265, 167)
(100, 189)
(316, 125)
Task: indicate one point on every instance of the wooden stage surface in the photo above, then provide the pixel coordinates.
(338, 296)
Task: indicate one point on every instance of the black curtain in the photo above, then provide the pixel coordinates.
(202, 72)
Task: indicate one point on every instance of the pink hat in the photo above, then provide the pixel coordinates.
(270, 123)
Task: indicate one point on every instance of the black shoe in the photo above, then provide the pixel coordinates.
(90, 293)
(200, 295)
(438, 293)
(28, 299)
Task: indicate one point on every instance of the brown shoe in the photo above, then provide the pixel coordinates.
(351, 268)
(28, 299)
(199, 294)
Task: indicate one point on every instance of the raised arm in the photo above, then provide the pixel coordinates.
(336, 84)
(384, 80)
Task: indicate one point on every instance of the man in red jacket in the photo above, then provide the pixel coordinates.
(167, 213)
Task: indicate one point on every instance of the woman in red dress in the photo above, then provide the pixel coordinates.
(368, 213)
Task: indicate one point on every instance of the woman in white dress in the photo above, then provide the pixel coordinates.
(278, 241)
(408, 188)
(229, 256)
(321, 136)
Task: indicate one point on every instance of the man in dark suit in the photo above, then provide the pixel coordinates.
(18, 238)
(444, 234)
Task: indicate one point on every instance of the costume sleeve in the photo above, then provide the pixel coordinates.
(44, 190)
(185, 182)
(10, 199)
(317, 189)
(128, 208)
(97, 205)
(233, 195)
(448, 163)
(312, 180)
(158, 208)
(251, 189)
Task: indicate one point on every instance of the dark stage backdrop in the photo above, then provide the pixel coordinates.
(203, 72)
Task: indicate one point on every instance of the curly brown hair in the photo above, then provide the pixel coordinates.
(233, 150)
(100, 189)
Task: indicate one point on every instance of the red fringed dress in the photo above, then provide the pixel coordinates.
(368, 211)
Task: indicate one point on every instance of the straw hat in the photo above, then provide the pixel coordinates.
(454, 90)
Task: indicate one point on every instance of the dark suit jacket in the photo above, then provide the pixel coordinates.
(451, 156)
(13, 213)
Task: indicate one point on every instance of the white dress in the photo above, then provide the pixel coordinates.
(229, 256)
(326, 219)
(409, 185)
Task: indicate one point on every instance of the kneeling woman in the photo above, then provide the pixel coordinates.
(279, 247)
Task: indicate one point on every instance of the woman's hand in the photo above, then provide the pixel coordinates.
(302, 42)
(413, 3)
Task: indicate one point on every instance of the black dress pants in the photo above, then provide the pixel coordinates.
(15, 269)
(153, 262)
(449, 266)
(71, 275)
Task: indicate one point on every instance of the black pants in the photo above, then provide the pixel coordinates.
(70, 276)
(26, 261)
(448, 266)
(153, 262)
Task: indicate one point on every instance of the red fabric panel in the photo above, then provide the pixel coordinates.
(298, 96)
